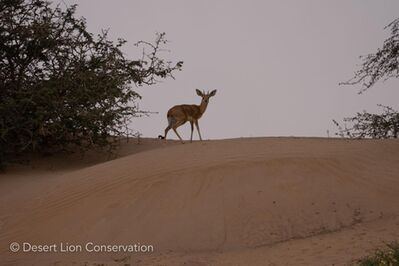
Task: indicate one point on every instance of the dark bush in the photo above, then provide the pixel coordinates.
(63, 87)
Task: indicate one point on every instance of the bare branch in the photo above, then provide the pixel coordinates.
(382, 65)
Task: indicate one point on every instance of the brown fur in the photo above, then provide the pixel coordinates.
(178, 115)
(187, 112)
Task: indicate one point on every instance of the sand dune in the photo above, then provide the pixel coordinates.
(258, 201)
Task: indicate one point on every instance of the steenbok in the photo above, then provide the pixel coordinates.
(180, 114)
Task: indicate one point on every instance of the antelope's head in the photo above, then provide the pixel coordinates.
(205, 96)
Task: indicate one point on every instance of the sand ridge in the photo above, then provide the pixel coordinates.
(225, 199)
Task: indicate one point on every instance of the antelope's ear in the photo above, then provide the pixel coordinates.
(213, 93)
(199, 93)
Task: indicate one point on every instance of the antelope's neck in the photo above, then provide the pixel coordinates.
(203, 106)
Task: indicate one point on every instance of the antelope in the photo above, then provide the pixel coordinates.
(180, 114)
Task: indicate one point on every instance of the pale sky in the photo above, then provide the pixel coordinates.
(276, 64)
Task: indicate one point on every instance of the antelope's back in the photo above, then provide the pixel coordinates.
(184, 111)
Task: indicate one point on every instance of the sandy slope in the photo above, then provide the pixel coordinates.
(260, 201)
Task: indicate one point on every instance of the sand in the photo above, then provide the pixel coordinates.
(254, 201)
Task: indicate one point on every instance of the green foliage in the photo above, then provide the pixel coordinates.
(387, 257)
(61, 86)
(367, 125)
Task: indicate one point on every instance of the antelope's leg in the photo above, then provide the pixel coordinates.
(199, 132)
(174, 129)
(192, 129)
(175, 126)
(166, 131)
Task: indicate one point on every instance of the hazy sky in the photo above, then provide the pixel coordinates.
(276, 65)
